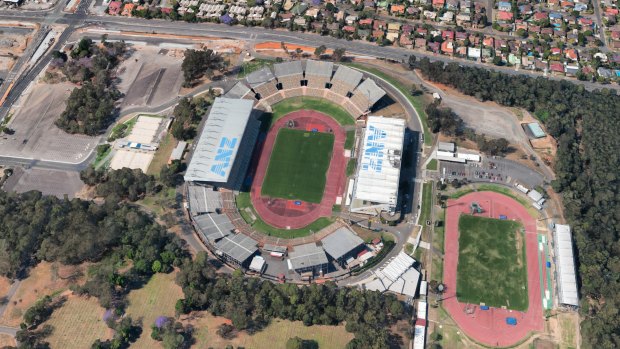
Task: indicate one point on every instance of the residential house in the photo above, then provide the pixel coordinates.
(571, 69)
(434, 47)
(540, 65)
(127, 9)
(461, 51)
(526, 9)
(540, 16)
(421, 32)
(378, 34)
(365, 23)
(555, 51)
(504, 6)
(447, 35)
(461, 37)
(420, 43)
(438, 4)
(463, 19)
(351, 19)
(447, 17)
(300, 21)
(379, 25)
(447, 47)
(488, 41)
(429, 14)
(313, 12)
(406, 29)
(452, 5)
(571, 54)
(348, 29)
(580, 7)
(114, 8)
(397, 9)
(405, 42)
(473, 52)
(556, 68)
(504, 16)
(286, 17)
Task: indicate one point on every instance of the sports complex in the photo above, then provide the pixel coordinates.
(269, 169)
(493, 269)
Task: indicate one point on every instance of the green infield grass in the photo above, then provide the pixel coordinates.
(324, 106)
(492, 264)
(298, 165)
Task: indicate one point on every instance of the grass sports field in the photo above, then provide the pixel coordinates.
(492, 265)
(312, 103)
(298, 165)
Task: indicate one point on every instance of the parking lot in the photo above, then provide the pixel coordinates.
(493, 170)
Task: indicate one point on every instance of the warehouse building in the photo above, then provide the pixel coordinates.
(224, 147)
(378, 170)
(342, 244)
(565, 266)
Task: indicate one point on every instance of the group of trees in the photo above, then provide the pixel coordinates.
(585, 125)
(200, 62)
(172, 334)
(125, 183)
(90, 109)
(187, 115)
(252, 303)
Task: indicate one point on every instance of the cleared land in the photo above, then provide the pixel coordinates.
(491, 266)
(77, 324)
(298, 165)
(299, 103)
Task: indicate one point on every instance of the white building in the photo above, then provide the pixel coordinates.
(565, 265)
(378, 172)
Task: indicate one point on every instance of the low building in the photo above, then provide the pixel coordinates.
(565, 264)
(178, 151)
(308, 258)
(342, 244)
(536, 130)
(446, 146)
(236, 249)
(258, 264)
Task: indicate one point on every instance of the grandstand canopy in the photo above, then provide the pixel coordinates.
(288, 68)
(239, 90)
(239, 247)
(380, 159)
(217, 146)
(202, 199)
(259, 77)
(319, 68)
(339, 243)
(565, 263)
(370, 90)
(214, 226)
(347, 76)
(307, 256)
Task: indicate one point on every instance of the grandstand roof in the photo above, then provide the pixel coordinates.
(307, 256)
(214, 226)
(202, 199)
(319, 68)
(370, 90)
(216, 148)
(379, 165)
(341, 242)
(565, 263)
(259, 77)
(398, 276)
(288, 68)
(239, 247)
(238, 91)
(347, 76)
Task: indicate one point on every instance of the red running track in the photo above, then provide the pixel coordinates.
(282, 213)
(489, 326)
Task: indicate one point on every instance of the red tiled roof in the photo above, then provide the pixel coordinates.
(504, 16)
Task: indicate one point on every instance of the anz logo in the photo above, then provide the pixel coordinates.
(223, 156)
(374, 149)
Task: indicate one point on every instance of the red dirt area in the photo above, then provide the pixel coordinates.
(489, 326)
(292, 214)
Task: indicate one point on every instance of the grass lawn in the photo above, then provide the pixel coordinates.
(492, 265)
(312, 103)
(77, 324)
(427, 202)
(252, 66)
(439, 235)
(351, 165)
(432, 165)
(298, 165)
(248, 213)
(160, 159)
(156, 298)
(123, 129)
(416, 101)
(348, 143)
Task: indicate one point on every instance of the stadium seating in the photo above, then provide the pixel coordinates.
(336, 98)
(315, 92)
(293, 92)
(361, 102)
(317, 81)
(352, 109)
(291, 81)
(266, 89)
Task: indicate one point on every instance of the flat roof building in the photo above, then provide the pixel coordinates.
(446, 146)
(341, 244)
(224, 147)
(566, 277)
(378, 172)
(308, 258)
(536, 130)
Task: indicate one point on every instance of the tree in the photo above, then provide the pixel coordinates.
(338, 54)
(319, 51)
(197, 63)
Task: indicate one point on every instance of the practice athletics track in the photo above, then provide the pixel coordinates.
(282, 213)
(489, 326)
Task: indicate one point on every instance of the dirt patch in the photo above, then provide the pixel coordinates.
(6, 341)
(272, 45)
(5, 284)
(44, 279)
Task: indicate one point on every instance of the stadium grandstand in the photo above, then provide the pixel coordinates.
(240, 91)
(397, 276)
(366, 95)
(342, 244)
(224, 147)
(378, 171)
(262, 82)
(565, 265)
(345, 80)
(289, 74)
(237, 249)
(318, 74)
(308, 258)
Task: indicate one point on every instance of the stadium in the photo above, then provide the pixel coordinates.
(493, 269)
(269, 165)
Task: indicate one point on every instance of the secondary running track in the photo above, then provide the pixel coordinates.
(489, 326)
(293, 214)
